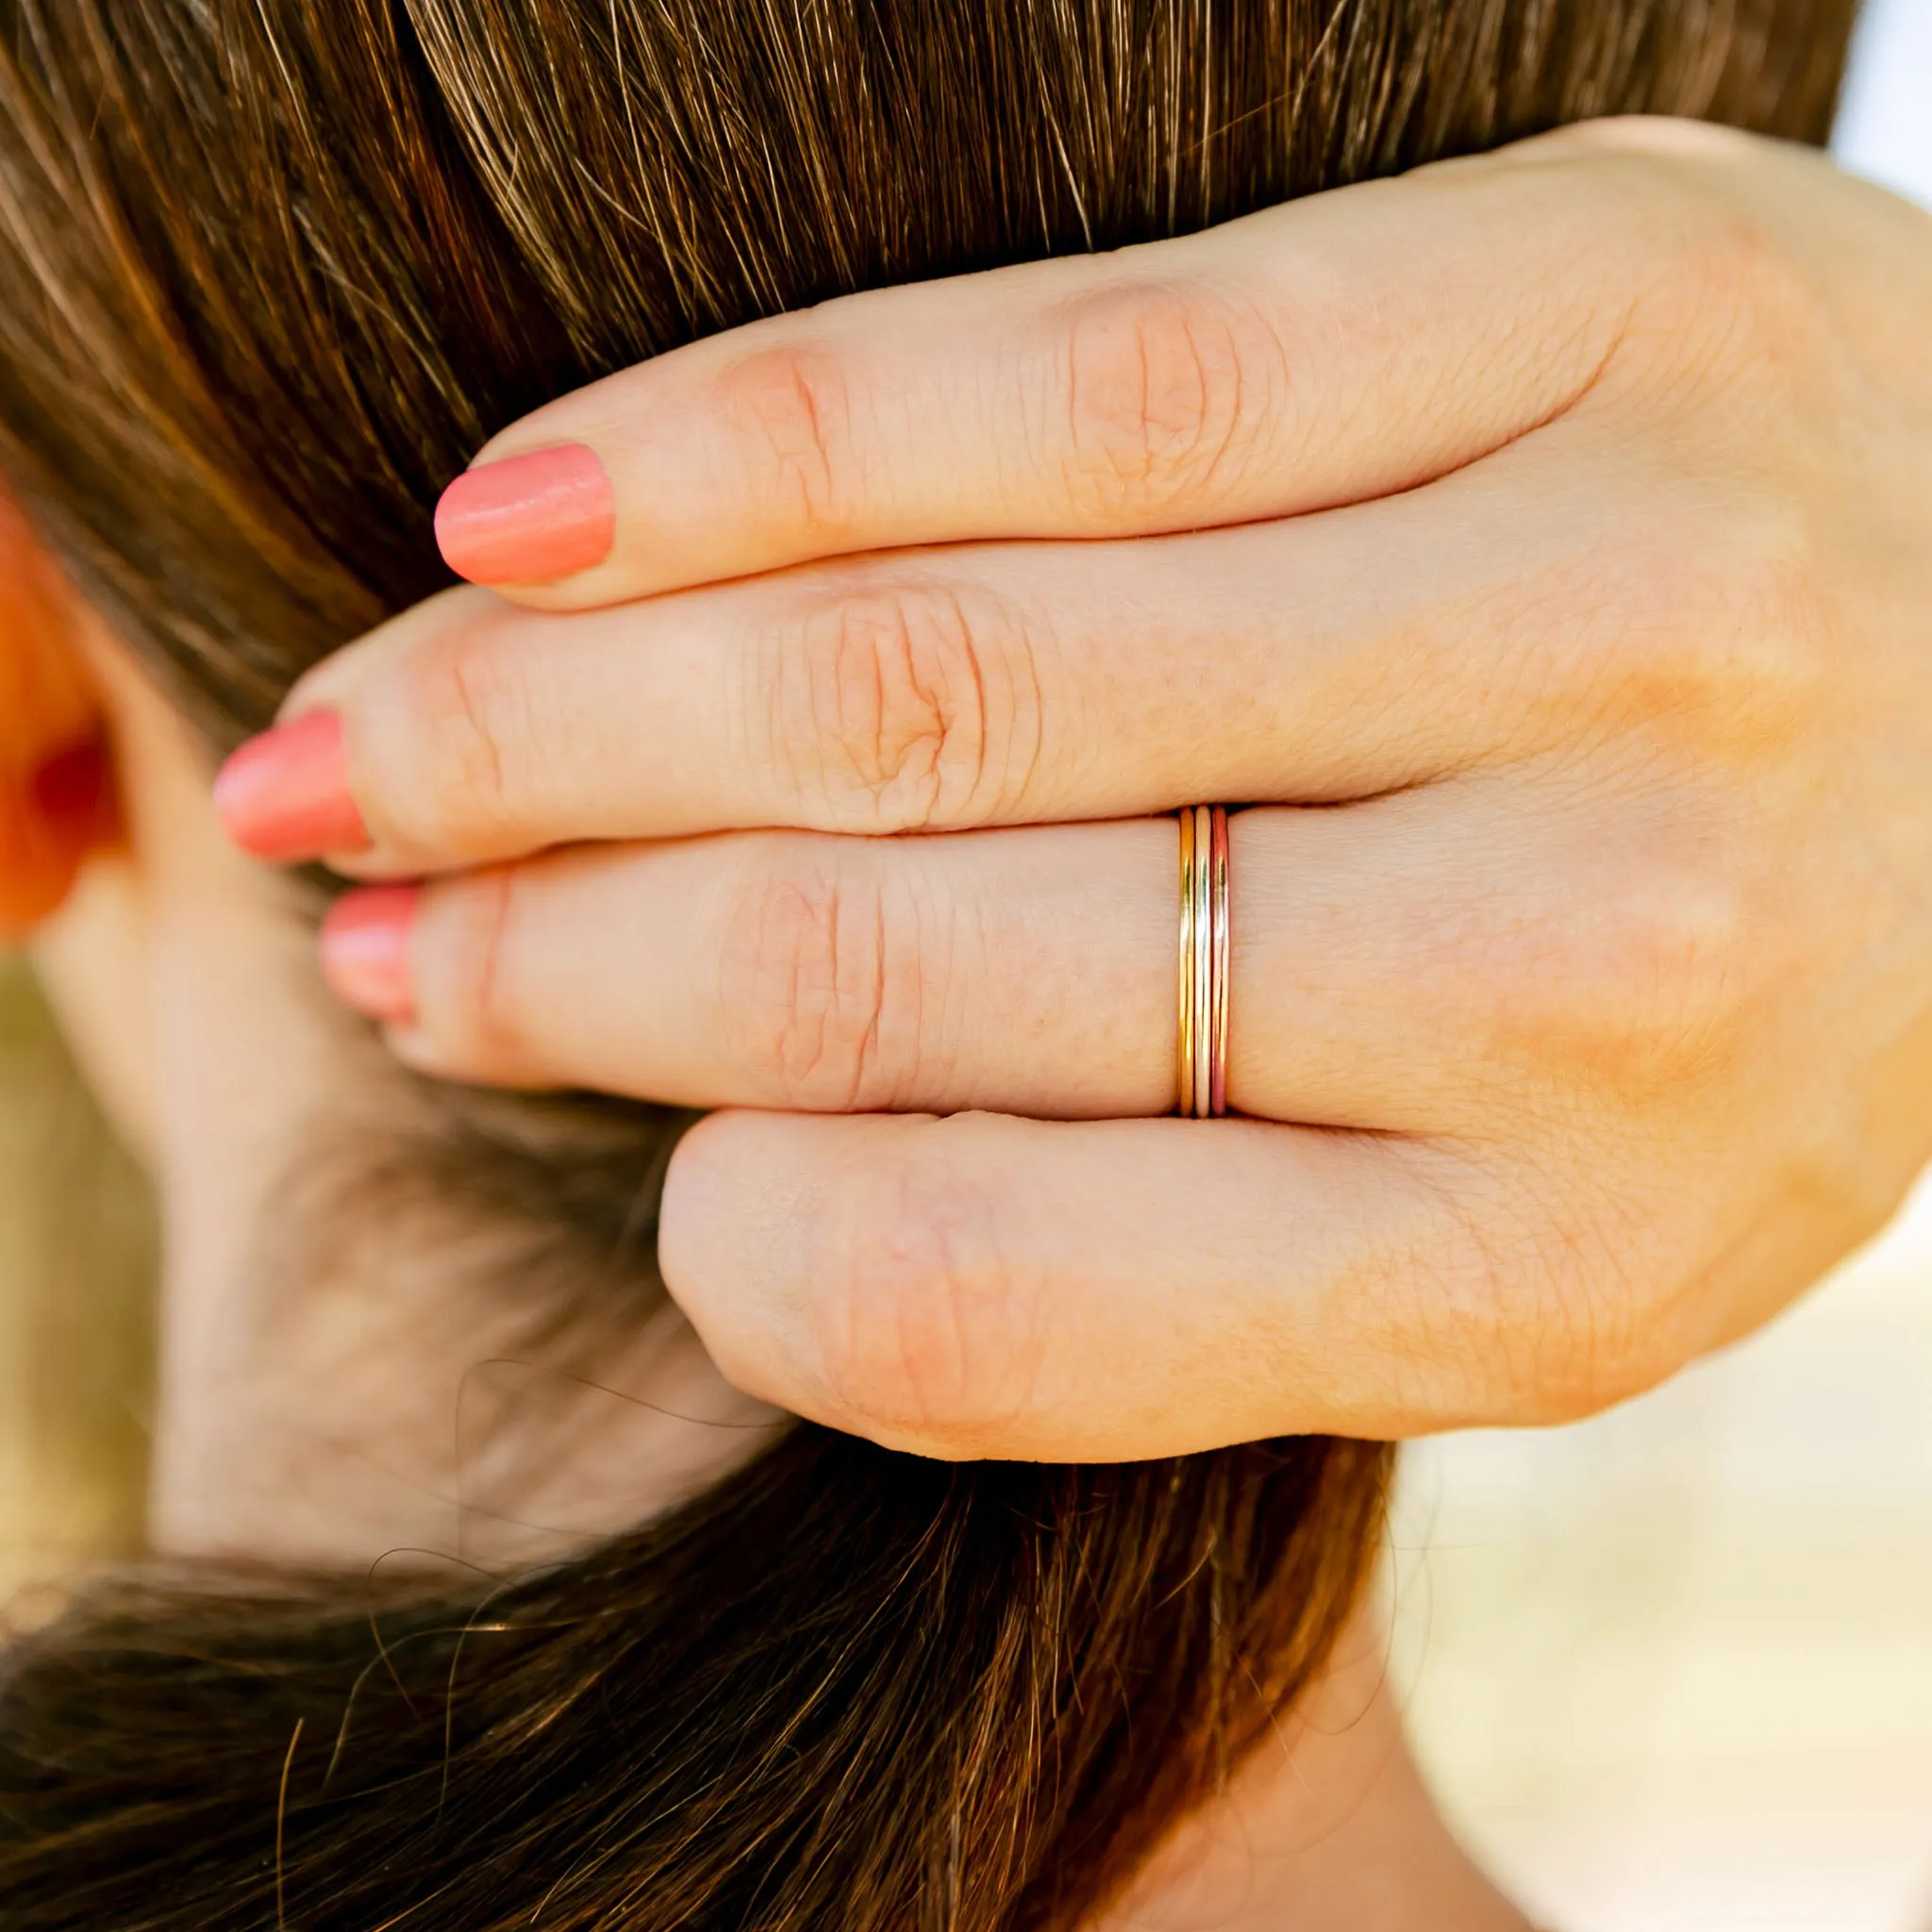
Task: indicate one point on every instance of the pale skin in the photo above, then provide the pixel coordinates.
(1540, 544)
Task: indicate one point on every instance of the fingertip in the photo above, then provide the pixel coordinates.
(366, 951)
(737, 1221)
(730, 1197)
(285, 796)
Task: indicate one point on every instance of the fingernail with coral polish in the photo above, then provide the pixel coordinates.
(365, 952)
(285, 796)
(528, 520)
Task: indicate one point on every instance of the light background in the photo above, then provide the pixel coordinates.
(1672, 1669)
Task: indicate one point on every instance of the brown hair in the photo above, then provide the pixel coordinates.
(273, 269)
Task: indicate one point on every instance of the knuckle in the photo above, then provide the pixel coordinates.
(1744, 271)
(822, 993)
(1588, 1332)
(904, 708)
(1740, 304)
(1718, 637)
(1669, 942)
(1580, 1349)
(1774, 658)
(468, 709)
(924, 1331)
(788, 412)
(1640, 989)
(1546, 1306)
(1168, 392)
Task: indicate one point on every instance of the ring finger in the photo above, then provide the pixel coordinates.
(1029, 971)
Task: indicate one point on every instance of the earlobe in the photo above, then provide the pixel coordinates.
(56, 792)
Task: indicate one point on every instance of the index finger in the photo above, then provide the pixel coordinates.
(1341, 347)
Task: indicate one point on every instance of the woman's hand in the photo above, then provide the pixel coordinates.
(1543, 544)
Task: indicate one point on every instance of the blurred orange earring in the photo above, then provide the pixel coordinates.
(56, 790)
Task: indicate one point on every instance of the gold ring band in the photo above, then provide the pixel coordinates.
(1201, 1062)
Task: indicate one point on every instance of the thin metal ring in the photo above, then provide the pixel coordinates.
(1200, 1062)
(1224, 950)
(1184, 1064)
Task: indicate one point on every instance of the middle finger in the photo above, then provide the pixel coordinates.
(980, 686)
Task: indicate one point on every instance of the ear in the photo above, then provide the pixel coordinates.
(56, 792)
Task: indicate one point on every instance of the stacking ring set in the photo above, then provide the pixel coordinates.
(1201, 1064)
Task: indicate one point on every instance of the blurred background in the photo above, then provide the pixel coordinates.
(1669, 1670)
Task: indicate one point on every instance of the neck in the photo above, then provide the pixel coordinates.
(1329, 1829)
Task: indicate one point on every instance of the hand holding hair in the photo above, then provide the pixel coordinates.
(1536, 545)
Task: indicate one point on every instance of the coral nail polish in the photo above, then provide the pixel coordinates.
(365, 952)
(528, 519)
(285, 796)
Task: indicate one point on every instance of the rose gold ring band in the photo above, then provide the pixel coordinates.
(1201, 1065)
